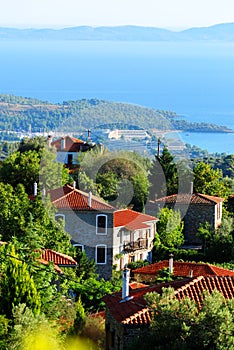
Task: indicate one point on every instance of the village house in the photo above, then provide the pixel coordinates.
(148, 274)
(195, 209)
(111, 237)
(68, 147)
(128, 316)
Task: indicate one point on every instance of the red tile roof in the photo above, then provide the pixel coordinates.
(57, 258)
(45, 262)
(71, 144)
(183, 269)
(136, 312)
(195, 198)
(131, 219)
(68, 197)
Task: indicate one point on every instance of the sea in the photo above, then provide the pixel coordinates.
(194, 79)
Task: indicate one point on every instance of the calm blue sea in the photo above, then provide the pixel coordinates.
(194, 79)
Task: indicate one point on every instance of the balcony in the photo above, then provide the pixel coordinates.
(140, 243)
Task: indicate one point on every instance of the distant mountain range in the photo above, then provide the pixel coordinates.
(223, 32)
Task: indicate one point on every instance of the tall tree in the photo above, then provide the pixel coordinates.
(170, 227)
(17, 286)
(208, 181)
(164, 175)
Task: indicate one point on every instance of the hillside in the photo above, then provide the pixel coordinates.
(124, 33)
(24, 114)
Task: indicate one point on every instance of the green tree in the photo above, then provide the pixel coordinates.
(111, 170)
(163, 175)
(17, 285)
(180, 324)
(170, 228)
(221, 245)
(32, 166)
(208, 181)
(218, 244)
(31, 222)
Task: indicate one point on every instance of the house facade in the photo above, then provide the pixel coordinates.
(109, 236)
(68, 147)
(195, 209)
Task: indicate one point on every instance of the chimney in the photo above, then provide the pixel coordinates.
(191, 273)
(74, 185)
(49, 139)
(171, 263)
(90, 199)
(35, 189)
(191, 187)
(43, 192)
(125, 285)
(63, 143)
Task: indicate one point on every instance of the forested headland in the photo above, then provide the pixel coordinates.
(28, 114)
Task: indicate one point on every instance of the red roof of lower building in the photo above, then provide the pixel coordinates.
(135, 310)
(184, 269)
(57, 258)
(132, 220)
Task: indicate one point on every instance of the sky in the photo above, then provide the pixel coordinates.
(171, 14)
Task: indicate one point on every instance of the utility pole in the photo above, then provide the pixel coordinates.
(159, 142)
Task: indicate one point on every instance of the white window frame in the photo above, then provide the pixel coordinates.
(96, 253)
(79, 245)
(105, 232)
(61, 216)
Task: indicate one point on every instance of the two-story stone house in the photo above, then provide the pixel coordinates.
(107, 235)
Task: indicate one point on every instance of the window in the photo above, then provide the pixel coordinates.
(101, 224)
(69, 158)
(60, 218)
(79, 247)
(101, 254)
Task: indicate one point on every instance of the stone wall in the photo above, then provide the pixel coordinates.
(193, 215)
(81, 225)
(119, 336)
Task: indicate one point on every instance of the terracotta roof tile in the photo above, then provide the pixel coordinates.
(57, 258)
(131, 219)
(45, 262)
(183, 269)
(136, 312)
(186, 198)
(71, 144)
(68, 197)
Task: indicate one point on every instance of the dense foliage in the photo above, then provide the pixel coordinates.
(181, 324)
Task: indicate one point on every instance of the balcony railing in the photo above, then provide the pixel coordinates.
(140, 243)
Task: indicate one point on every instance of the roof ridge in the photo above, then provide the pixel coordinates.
(63, 197)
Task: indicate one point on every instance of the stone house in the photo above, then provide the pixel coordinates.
(128, 316)
(67, 148)
(109, 236)
(195, 209)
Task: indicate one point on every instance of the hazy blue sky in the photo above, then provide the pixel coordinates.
(158, 13)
